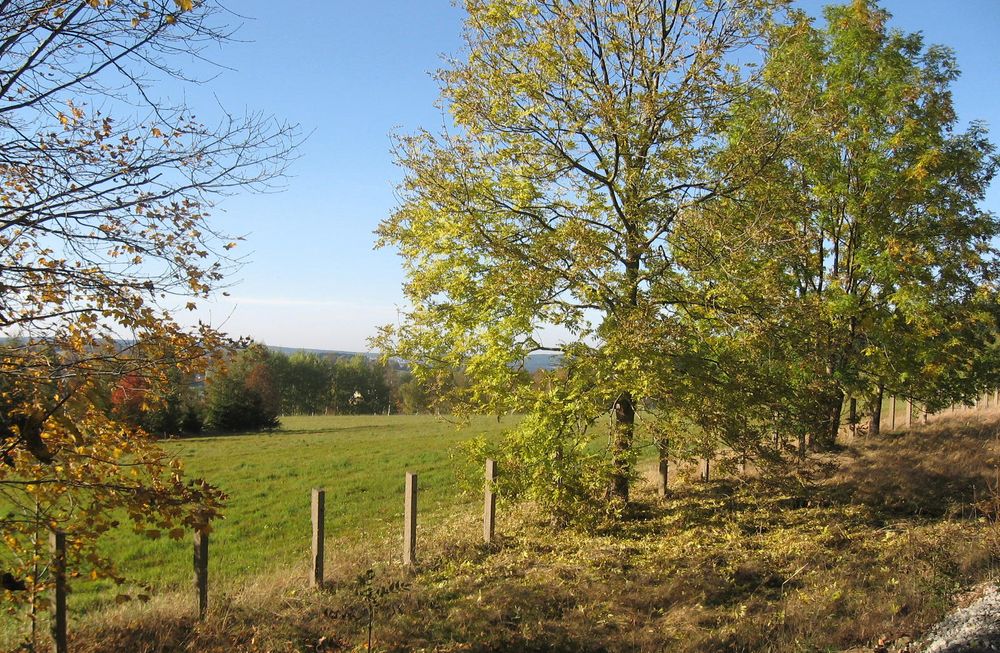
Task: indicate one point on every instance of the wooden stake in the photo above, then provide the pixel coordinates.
(201, 571)
(490, 504)
(57, 543)
(663, 471)
(318, 535)
(892, 413)
(410, 520)
(705, 469)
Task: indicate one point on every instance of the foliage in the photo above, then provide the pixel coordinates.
(374, 593)
(312, 384)
(866, 265)
(304, 380)
(176, 409)
(105, 195)
(583, 132)
(730, 251)
(358, 387)
(241, 394)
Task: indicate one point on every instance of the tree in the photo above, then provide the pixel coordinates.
(867, 258)
(104, 228)
(242, 393)
(306, 386)
(583, 132)
(174, 409)
(358, 386)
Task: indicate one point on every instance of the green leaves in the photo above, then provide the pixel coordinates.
(736, 248)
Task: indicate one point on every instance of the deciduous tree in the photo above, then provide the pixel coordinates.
(583, 131)
(866, 264)
(105, 194)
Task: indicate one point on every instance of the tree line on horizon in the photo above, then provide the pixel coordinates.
(249, 388)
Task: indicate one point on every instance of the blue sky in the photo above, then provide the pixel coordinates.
(350, 73)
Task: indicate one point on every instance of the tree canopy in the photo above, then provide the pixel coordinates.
(736, 218)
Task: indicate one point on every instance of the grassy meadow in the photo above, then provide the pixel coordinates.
(871, 541)
(359, 460)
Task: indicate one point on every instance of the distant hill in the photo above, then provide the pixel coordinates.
(533, 363)
(325, 352)
(537, 362)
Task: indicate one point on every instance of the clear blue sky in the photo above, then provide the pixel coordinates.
(350, 73)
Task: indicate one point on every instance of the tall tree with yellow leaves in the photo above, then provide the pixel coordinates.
(582, 131)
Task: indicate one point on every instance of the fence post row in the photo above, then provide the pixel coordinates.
(490, 506)
(410, 520)
(201, 571)
(318, 521)
(57, 543)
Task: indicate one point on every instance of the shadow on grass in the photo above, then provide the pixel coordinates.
(946, 469)
(278, 432)
(867, 541)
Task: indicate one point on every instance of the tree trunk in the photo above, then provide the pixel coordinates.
(621, 446)
(875, 425)
(833, 409)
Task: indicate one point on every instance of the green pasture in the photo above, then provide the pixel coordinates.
(359, 460)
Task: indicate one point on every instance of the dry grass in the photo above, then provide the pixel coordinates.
(876, 548)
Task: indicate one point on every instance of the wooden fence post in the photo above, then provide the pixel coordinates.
(318, 521)
(704, 469)
(201, 571)
(892, 415)
(663, 470)
(57, 543)
(410, 520)
(490, 505)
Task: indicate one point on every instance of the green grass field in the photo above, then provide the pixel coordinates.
(359, 460)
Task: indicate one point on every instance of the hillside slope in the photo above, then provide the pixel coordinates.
(872, 542)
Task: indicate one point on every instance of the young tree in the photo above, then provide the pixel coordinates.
(105, 194)
(582, 132)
